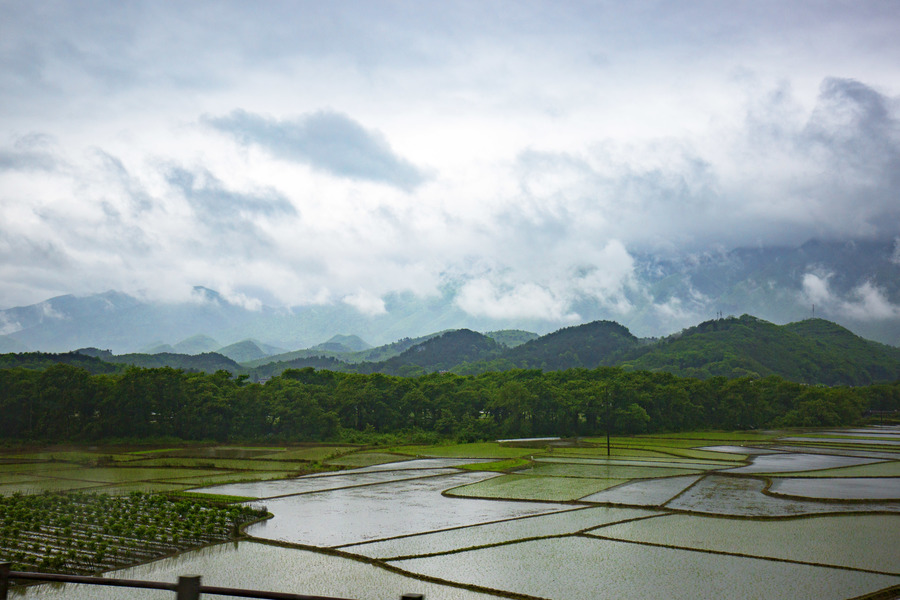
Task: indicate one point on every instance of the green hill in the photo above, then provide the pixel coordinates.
(86, 360)
(813, 351)
(208, 362)
(441, 353)
(589, 345)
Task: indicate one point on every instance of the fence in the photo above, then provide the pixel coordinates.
(187, 588)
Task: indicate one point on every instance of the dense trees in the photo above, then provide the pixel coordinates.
(67, 403)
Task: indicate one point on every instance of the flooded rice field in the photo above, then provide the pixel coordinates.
(666, 521)
(358, 514)
(839, 488)
(584, 568)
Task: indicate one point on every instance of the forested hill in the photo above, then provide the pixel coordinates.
(443, 353)
(208, 362)
(811, 351)
(587, 345)
(468, 352)
(814, 351)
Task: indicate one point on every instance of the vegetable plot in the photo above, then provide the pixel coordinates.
(89, 533)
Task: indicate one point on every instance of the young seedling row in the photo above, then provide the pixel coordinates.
(88, 533)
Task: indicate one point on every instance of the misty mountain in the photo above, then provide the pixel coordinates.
(854, 284)
(243, 351)
(813, 351)
(9, 344)
(197, 344)
(511, 337)
(207, 362)
(343, 343)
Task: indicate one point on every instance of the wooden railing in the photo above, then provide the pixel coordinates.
(188, 587)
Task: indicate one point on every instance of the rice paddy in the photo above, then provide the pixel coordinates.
(703, 515)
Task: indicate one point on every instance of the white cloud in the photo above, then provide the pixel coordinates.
(560, 143)
(865, 302)
(481, 298)
(366, 303)
(7, 326)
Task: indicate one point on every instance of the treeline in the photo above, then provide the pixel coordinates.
(67, 403)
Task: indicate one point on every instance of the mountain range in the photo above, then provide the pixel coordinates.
(812, 351)
(855, 284)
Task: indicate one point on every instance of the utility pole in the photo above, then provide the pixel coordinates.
(608, 402)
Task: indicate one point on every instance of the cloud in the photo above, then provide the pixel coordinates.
(366, 303)
(8, 326)
(865, 302)
(212, 200)
(327, 141)
(482, 298)
(32, 152)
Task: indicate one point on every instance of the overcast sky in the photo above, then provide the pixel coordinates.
(315, 152)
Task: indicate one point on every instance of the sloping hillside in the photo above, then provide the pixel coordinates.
(812, 351)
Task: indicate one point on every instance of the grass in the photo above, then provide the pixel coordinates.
(365, 459)
(476, 450)
(121, 470)
(530, 487)
(510, 464)
(885, 469)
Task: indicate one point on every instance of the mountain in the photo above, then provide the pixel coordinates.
(854, 284)
(343, 344)
(248, 351)
(291, 360)
(197, 344)
(243, 351)
(588, 345)
(441, 353)
(511, 337)
(158, 348)
(41, 360)
(812, 351)
(9, 344)
(208, 362)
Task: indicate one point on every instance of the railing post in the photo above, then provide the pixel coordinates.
(412, 597)
(5, 568)
(188, 588)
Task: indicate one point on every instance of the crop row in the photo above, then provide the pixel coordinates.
(85, 533)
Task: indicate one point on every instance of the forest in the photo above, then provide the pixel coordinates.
(68, 403)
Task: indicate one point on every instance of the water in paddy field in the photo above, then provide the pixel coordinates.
(816, 521)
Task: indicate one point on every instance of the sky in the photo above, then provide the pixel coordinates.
(523, 153)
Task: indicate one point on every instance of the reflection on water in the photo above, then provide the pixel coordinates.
(845, 488)
(349, 515)
(579, 568)
(742, 496)
(251, 565)
(401, 510)
(786, 463)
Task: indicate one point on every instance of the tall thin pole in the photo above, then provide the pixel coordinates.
(607, 423)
